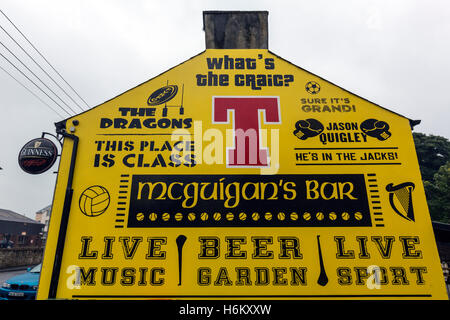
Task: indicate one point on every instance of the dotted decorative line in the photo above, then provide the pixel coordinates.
(255, 216)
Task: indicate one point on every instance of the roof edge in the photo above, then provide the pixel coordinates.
(60, 125)
(412, 122)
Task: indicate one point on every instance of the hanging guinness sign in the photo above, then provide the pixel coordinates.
(37, 156)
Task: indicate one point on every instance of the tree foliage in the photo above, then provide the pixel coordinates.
(433, 153)
(438, 194)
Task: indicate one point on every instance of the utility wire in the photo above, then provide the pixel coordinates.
(12, 53)
(31, 92)
(44, 58)
(41, 67)
(34, 84)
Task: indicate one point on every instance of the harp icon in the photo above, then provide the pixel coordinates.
(400, 198)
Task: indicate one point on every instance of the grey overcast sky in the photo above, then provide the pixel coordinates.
(394, 53)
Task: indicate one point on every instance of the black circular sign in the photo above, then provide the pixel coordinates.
(162, 95)
(37, 156)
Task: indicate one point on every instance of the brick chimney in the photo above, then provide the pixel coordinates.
(236, 29)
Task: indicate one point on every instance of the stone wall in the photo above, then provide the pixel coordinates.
(17, 257)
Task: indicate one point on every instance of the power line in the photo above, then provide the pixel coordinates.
(31, 92)
(62, 89)
(34, 84)
(44, 58)
(36, 77)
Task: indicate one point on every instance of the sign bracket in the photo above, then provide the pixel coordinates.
(64, 217)
(57, 137)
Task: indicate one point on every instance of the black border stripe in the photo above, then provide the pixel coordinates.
(143, 134)
(349, 164)
(361, 148)
(261, 296)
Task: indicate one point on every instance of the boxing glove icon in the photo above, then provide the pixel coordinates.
(308, 128)
(376, 128)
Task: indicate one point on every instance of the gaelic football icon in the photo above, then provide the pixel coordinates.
(308, 128)
(312, 87)
(94, 201)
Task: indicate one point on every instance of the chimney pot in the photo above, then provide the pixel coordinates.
(236, 29)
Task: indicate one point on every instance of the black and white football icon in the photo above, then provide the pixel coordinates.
(312, 87)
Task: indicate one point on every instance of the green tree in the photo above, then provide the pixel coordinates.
(432, 153)
(438, 194)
